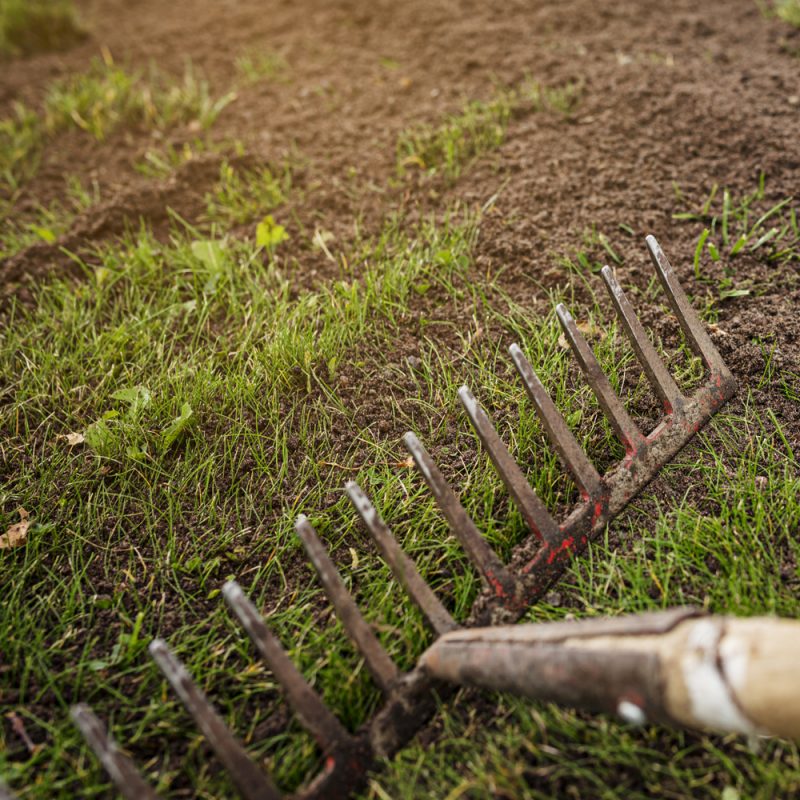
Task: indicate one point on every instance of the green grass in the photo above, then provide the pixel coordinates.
(163, 161)
(148, 508)
(789, 11)
(217, 402)
(46, 224)
(30, 26)
(106, 96)
(449, 147)
(136, 529)
(98, 102)
(258, 65)
(242, 195)
(740, 229)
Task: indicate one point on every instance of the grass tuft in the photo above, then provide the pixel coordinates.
(740, 229)
(242, 195)
(789, 11)
(480, 127)
(32, 26)
(98, 102)
(259, 65)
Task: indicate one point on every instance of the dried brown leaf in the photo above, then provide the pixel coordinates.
(16, 533)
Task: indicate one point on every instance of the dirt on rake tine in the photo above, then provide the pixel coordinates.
(251, 782)
(312, 712)
(500, 581)
(625, 428)
(378, 662)
(535, 513)
(561, 437)
(657, 373)
(117, 765)
(401, 565)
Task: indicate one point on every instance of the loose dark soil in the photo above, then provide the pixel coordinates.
(674, 93)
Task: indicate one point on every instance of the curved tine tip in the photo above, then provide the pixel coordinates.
(358, 497)
(514, 350)
(231, 590)
(157, 647)
(563, 313)
(608, 274)
(651, 240)
(78, 710)
(300, 522)
(411, 441)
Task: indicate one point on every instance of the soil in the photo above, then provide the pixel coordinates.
(677, 93)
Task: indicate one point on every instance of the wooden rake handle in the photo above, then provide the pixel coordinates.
(681, 667)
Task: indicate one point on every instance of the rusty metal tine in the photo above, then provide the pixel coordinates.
(305, 702)
(251, 782)
(658, 375)
(380, 665)
(561, 437)
(536, 515)
(121, 769)
(625, 428)
(692, 326)
(401, 565)
(477, 548)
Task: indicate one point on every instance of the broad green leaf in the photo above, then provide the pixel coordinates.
(269, 234)
(137, 398)
(171, 433)
(100, 436)
(45, 233)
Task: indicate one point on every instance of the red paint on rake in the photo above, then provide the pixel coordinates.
(509, 588)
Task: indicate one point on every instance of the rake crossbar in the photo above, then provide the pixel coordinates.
(509, 589)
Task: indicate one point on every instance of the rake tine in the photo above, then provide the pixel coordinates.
(477, 548)
(693, 328)
(383, 669)
(401, 565)
(306, 703)
(250, 781)
(119, 767)
(536, 515)
(658, 375)
(625, 428)
(561, 437)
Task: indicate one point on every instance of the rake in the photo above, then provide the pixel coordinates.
(508, 589)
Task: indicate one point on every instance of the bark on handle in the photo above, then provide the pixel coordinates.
(681, 667)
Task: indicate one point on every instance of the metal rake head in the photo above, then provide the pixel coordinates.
(508, 588)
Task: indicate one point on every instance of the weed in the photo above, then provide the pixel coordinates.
(20, 140)
(259, 65)
(46, 224)
(450, 147)
(242, 195)
(107, 95)
(738, 228)
(29, 26)
(596, 251)
(98, 102)
(789, 11)
(161, 163)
